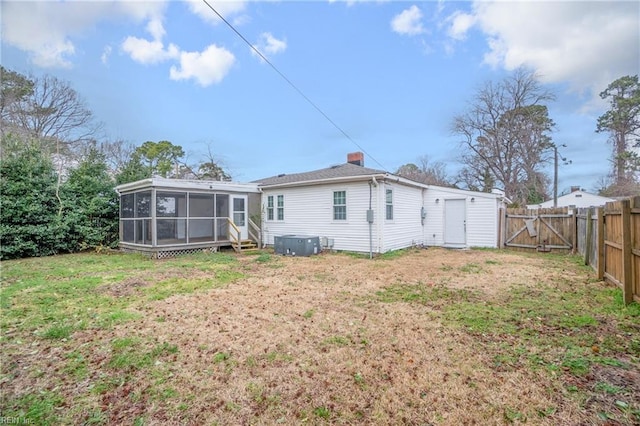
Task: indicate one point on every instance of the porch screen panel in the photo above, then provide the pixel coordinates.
(128, 231)
(143, 231)
(222, 229)
(143, 204)
(127, 206)
(222, 205)
(171, 205)
(201, 230)
(135, 217)
(172, 231)
(201, 226)
(222, 213)
(201, 205)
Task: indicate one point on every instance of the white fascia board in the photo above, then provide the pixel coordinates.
(465, 192)
(344, 179)
(381, 177)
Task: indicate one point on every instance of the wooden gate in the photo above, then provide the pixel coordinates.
(541, 229)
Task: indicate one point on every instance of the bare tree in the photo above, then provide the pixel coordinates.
(116, 153)
(427, 172)
(505, 136)
(211, 167)
(50, 111)
(56, 112)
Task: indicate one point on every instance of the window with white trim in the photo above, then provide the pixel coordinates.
(270, 207)
(389, 204)
(280, 207)
(339, 205)
(275, 207)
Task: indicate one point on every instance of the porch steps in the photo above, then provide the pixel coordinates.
(244, 245)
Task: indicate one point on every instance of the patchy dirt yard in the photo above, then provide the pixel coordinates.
(420, 337)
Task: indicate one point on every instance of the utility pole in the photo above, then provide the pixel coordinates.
(555, 171)
(555, 176)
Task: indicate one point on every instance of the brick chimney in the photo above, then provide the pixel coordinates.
(356, 158)
(575, 188)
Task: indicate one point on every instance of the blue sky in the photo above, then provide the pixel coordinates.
(392, 74)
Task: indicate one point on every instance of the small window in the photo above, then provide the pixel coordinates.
(238, 211)
(270, 207)
(280, 207)
(340, 205)
(389, 203)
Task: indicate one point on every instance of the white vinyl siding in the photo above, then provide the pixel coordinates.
(482, 222)
(310, 212)
(406, 227)
(481, 216)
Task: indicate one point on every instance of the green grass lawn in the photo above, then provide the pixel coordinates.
(72, 349)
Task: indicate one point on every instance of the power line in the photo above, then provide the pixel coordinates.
(285, 78)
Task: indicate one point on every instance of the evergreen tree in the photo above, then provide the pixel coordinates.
(90, 204)
(29, 223)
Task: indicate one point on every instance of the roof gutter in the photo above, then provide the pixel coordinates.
(381, 177)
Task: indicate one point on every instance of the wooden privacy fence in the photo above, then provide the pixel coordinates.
(607, 237)
(622, 246)
(541, 230)
(590, 236)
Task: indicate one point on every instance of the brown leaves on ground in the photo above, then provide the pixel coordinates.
(305, 340)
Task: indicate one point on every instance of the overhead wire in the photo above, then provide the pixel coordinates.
(296, 88)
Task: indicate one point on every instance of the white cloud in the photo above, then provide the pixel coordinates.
(587, 44)
(408, 22)
(207, 67)
(149, 52)
(460, 24)
(226, 8)
(106, 53)
(45, 29)
(156, 29)
(268, 45)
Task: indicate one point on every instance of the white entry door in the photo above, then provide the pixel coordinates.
(455, 223)
(239, 214)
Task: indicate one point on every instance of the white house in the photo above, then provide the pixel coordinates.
(355, 208)
(576, 198)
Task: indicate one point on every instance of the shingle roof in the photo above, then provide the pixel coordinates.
(339, 171)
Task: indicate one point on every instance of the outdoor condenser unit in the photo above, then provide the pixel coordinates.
(296, 245)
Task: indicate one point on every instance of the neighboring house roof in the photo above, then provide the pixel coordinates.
(576, 198)
(338, 172)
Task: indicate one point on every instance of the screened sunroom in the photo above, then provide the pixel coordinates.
(164, 217)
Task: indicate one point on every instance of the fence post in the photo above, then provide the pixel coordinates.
(503, 227)
(627, 281)
(600, 249)
(574, 229)
(588, 240)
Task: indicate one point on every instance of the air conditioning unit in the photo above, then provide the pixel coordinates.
(296, 245)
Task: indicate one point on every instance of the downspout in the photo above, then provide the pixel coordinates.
(370, 221)
(372, 183)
